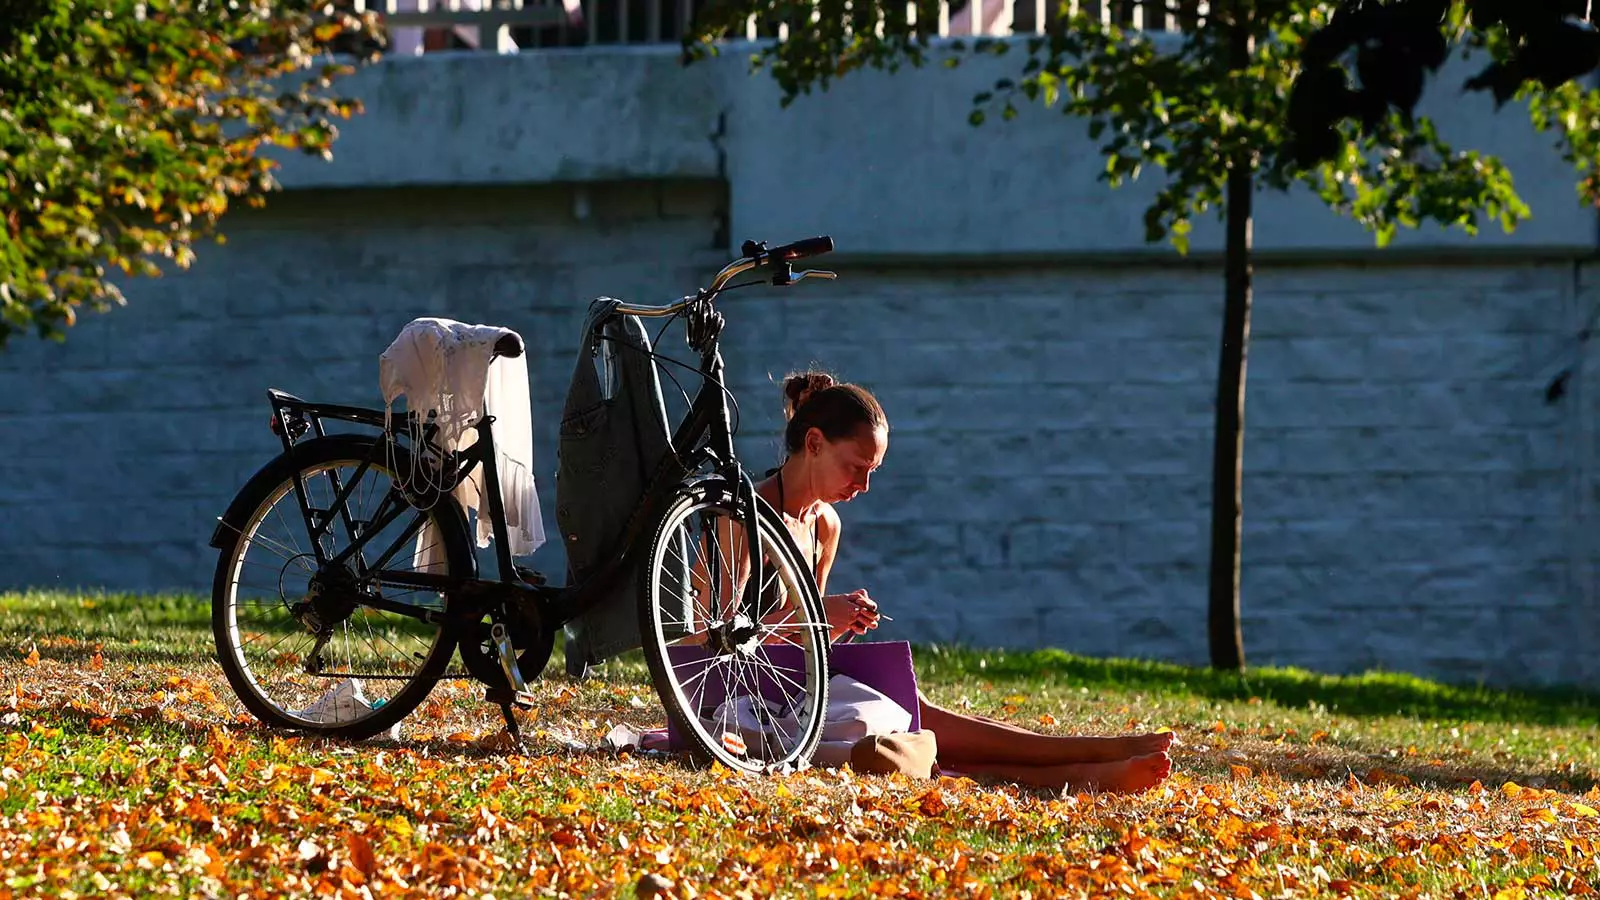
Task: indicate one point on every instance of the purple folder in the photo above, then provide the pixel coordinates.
(883, 665)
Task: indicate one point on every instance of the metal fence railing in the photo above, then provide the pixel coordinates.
(421, 26)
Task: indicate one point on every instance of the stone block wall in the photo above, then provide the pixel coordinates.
(1411, 499)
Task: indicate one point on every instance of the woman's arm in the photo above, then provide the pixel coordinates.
(828, 530)
(853, 612)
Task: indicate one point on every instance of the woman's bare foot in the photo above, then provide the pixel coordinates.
(1146, 744)
(1128, 776)
(1114, 749)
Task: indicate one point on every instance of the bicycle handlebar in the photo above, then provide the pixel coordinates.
(801, 249)
(755, 257)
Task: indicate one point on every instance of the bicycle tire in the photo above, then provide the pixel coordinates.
(703, 745)
(254, 502)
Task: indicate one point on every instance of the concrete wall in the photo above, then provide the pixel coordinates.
(1411, 500)
(885, 163)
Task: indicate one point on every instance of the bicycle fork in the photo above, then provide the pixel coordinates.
(721, 445)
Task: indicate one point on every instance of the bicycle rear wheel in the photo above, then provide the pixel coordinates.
(743, 675)
(302, 643)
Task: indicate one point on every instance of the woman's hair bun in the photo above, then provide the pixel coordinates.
(838, 409)
(801, 385)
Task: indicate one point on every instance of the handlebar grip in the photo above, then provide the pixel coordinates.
(815, 246)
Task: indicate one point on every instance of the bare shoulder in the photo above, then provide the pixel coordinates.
(828, 524)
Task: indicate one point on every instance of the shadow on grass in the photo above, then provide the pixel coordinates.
(1373, 694)
(149, 720)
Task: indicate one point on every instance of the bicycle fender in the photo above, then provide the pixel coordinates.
(713, 481)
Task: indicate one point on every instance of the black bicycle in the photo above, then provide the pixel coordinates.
(347, 577)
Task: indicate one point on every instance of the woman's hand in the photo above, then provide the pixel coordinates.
(854, 612)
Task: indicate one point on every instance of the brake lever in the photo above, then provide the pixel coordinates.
(784, 279)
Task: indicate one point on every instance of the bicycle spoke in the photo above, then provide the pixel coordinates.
(275, 643)
(705, 670)
(286, 553)
(294, 542)
(777, 672)
(690, 601)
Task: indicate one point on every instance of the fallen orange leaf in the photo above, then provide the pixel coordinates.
(930, 803)
(361, 855)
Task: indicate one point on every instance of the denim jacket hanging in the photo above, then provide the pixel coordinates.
(614, 435)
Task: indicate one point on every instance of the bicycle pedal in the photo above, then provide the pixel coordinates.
(504, 697)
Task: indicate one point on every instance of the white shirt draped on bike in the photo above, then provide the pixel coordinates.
(443, 366)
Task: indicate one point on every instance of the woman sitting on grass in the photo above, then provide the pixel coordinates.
(836, 437)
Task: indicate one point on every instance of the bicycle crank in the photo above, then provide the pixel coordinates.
(508, 658)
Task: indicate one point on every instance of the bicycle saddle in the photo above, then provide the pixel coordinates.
(509, 346)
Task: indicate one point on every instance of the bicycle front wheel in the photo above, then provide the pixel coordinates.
(743, 673)
(331, 648)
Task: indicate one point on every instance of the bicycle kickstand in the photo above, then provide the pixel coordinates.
(512, 728)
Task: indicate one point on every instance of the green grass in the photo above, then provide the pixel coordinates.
(1380, 694)
(128, 627)
(1290, 783)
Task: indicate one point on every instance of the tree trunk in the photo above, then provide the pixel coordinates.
(1226, 638)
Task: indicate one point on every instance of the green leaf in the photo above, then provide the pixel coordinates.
(1179, 235)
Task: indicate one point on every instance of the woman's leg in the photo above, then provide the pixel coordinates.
(966, 740)
(1123, 776)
